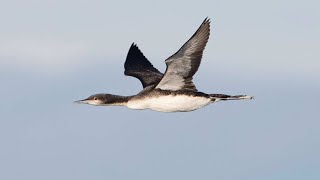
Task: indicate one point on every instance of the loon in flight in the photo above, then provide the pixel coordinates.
(172, 91)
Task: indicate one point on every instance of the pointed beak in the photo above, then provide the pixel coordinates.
(84, 101)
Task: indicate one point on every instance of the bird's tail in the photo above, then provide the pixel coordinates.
(224, 97)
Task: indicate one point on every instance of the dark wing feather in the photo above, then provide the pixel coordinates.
(137, 65)
(184, 64)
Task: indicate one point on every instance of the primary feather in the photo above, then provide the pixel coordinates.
(137, 65)
(182, 65)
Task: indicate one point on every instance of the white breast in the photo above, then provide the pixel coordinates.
(170, 103)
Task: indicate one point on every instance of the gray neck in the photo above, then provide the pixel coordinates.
(116, 100)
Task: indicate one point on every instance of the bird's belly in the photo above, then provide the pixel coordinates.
(169, 103)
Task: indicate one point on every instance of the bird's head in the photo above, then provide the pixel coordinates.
(104, 100)
(96, 99)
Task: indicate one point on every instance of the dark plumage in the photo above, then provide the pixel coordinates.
(137, 65)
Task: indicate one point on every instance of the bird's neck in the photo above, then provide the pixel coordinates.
(117, 100)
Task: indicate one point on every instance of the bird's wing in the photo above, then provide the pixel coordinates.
(137, 65)
(182, 65)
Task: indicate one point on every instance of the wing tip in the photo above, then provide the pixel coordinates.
(207, 19)
(206, 22)
(133, 44)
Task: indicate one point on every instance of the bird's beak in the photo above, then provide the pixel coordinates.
(84, 101)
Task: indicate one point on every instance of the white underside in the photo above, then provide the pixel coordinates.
(169, 103)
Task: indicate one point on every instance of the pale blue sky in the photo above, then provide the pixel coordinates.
(55, 52)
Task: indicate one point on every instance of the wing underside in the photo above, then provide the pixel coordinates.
(182, 65)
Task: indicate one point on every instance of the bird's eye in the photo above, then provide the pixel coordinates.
(95, 98)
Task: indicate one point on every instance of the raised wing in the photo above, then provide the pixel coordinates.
(184, 64)
(137, 65)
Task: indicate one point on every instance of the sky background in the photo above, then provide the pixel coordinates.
(55, 52)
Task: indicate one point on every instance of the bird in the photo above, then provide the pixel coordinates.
(171, 91)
